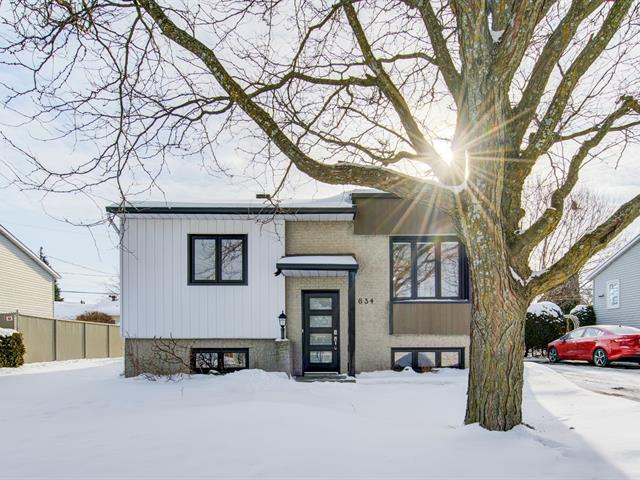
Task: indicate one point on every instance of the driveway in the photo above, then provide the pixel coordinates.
(618, 380)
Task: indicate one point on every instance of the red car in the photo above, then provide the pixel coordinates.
(599, 344)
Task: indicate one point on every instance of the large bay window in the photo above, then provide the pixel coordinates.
(428, 268)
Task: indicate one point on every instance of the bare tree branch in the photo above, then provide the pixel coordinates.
(337, 174)
(549, 220)
(586, 247)
(443, 57)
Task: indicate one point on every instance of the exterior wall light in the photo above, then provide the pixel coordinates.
(282, 319)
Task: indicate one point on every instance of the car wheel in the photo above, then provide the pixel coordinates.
(600, 358)
(553, 355)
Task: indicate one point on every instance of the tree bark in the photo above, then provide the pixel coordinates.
(497, 348)
(499, 306)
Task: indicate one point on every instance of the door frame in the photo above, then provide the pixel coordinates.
(305, 362)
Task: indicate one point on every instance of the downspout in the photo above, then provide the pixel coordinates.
(351, 364)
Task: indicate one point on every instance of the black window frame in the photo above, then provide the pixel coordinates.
(438, 354)
(464, 289)
(218, 239)
(220, 352)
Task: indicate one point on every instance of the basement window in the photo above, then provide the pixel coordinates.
(424, 359)
(219, 360)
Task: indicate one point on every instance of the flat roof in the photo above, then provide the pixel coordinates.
(325, 262)
(338, 204)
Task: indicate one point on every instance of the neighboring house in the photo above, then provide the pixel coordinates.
(616, 287)
(368, 281)
(26, 282)
(70, 310)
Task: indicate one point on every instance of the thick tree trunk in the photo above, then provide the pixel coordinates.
(497, 348)
(497, 331)
(494, 394)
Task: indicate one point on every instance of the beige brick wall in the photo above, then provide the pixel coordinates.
(373, 341)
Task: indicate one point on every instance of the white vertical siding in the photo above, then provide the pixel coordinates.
(626, 269)
(157, 302)
(24, 285)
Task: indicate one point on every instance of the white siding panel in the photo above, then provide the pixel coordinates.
(24, 285)
(157, 302)
(626, 269)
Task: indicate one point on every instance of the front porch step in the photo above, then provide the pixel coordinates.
(325, 377)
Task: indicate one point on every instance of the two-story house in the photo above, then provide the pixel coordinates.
(616, 287)
(367, 281)
(26, 282)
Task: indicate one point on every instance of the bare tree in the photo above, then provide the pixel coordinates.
(355, 93)
(584, 210)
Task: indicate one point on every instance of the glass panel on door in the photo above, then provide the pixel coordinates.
(320, 339)
(320, 356)
(320, 303)
(320, 321)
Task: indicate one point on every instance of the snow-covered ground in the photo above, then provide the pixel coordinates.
(84, 423)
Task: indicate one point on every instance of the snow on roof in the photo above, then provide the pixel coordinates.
(70, 310)
(613, 258)
(343, 260)
(28, 252)
(340, 201)
(7, 332)
(542, 308)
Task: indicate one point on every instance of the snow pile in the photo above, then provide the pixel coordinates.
(409, 375)
(201, 426)
(545, 308)
(250, 380)
(7, 332)
(578, 309)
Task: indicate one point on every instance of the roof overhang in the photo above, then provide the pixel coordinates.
(316, 265)
(292, 210)
(603, 266)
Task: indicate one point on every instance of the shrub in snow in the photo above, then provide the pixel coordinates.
(545, 308)
(544, 323)
(585, 313)
(99, 317)
(11, 348)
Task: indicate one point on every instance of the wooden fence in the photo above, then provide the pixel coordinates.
(47, 339)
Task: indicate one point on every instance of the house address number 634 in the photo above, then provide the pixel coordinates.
(365, 300)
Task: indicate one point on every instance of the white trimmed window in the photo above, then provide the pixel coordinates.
(613, 294)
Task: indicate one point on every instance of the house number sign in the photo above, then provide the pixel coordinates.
(365, 300)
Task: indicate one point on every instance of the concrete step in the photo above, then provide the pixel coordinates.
(325, 377)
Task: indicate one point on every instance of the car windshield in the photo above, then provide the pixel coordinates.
(622, 330)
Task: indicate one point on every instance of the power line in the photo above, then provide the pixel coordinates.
(82, 266)
(89, 274)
